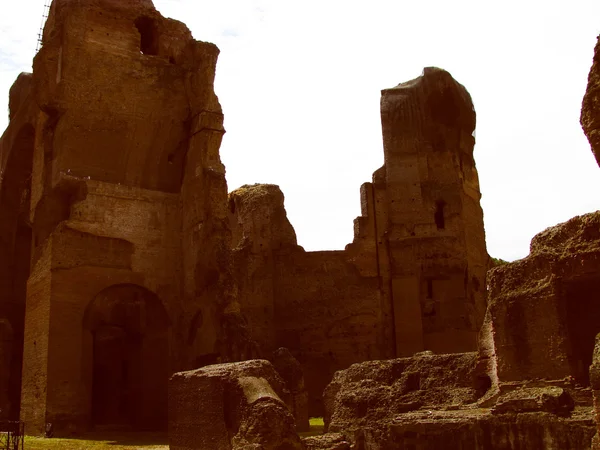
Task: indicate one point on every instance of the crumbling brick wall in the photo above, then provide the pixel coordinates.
(414, 277)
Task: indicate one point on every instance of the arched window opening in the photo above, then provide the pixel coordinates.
(148, 35)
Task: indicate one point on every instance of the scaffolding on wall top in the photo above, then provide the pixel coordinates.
(44, 18)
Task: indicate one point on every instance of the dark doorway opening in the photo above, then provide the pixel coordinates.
(130, 359)
(582, 304)
(148, 35)
(116, 367)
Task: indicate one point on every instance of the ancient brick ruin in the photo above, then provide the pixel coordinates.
(125, 263)
(413, 279)
(114, 233)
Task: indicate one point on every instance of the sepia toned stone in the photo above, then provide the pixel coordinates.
(136, 293)
(231, 406)
(590, 109)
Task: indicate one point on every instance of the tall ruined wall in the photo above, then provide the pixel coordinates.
(314, 303)
(434, 222)
(112, 192)
(327, 314)
(261, 233)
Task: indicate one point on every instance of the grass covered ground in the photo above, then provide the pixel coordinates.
(105, 441)
(125, 441)
(316, 427)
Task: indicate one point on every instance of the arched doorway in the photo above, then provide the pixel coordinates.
(130, 358)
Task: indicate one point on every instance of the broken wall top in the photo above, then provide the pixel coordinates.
(423, 109)
(541, 319)
(124, 90)
(563, 250)
(258, 218)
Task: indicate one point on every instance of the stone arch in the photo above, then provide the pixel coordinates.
(15, 249)
(126, 338)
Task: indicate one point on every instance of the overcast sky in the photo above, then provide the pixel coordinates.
(300, 81)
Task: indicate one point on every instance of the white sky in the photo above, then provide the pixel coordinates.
(300, 83)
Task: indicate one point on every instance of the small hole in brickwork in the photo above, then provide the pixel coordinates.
(440, 220)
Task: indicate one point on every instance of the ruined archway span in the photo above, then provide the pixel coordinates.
(96, 310)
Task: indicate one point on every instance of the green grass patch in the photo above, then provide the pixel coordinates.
(121, 441)
(316, 422)
(316, 427)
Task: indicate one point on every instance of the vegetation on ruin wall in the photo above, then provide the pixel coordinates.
(495, 262)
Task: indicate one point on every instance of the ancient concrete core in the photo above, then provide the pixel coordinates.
(414, 277)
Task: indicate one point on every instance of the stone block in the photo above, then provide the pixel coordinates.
(230, 406)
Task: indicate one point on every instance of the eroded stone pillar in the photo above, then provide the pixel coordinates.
(434, 225)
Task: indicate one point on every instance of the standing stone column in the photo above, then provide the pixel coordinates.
(434, 224)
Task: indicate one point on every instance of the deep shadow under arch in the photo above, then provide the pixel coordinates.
(15, 255)
(126, 341)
